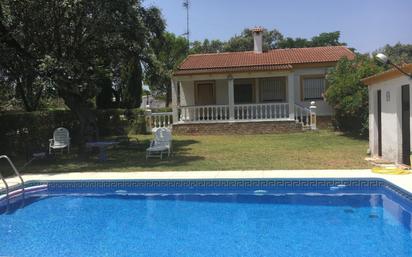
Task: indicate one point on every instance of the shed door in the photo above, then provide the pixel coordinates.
(379, 121)
(406, 137)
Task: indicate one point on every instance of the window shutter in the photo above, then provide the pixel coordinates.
(272, 89)
(313, 88)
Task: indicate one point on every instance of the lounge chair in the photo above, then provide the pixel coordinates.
(161, 144)
(60, 140)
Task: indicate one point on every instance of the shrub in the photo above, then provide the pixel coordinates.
(27, 132)
(348, 96)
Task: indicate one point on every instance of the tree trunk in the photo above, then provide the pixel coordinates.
(26, 91)
(88, 121)
(168, 94)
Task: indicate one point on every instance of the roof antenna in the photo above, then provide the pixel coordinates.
(186, 5)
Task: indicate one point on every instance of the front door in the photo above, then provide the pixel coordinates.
(406, 135)
(205, 94)
(379, 121)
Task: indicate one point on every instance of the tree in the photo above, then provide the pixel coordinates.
(323, 39)
(104, 98)
(398, 53)
(272, 39)
(348, 95)
(213, 46)
(244, 41)
(67, 42)
(172, 50)
(17, 66)
(132, 76)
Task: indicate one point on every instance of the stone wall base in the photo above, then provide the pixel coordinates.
(324, 122)
(237, 128)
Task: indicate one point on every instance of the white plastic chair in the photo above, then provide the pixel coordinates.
(161, 144)
(60, 140)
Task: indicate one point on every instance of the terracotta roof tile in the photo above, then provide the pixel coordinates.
(235, 69)
(250, 61)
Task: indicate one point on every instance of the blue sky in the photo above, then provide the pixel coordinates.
(364, 24)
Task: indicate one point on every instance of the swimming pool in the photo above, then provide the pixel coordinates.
(270, 217)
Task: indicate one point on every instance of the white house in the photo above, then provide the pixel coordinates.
(259, 90)
(390, 115)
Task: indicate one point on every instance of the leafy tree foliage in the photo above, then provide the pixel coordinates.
(398, 53)
(348, 95)
(68, 42)
(213, 46)
(171, 50)
(132, 75)
(272, 39)
(323, 39)
(104, 98)
(242, 42)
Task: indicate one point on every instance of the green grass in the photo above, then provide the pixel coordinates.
(309, 150)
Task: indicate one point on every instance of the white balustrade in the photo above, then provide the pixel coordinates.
(263, 111)
(306, 116)
(242, 112)
(204, 114)
(161, 119)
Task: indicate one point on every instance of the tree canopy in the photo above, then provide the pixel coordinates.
(272, 39)
(171, 50)
(398, 53)
(72, 43)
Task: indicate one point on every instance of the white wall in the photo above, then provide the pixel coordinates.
(323, 109)
(187, 93)
(391, 118)
(222, 91)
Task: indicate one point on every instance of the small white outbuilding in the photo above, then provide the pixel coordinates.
(390, 115)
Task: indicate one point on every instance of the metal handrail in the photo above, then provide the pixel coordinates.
(15, 172)
(303, 107)
(7, 188)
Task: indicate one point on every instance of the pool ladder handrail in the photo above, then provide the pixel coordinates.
(15, 172)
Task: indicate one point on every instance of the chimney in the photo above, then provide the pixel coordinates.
(257, 39)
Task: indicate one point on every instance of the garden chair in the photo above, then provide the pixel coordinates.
(60, 140)
(161, 144)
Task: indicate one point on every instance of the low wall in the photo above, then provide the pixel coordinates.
(240, 128)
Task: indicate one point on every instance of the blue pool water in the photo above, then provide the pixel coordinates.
(209, 224)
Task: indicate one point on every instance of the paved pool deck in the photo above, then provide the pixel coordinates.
(403, 181)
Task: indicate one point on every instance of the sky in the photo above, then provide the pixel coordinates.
(365, 25)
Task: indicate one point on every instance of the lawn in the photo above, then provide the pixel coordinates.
(306, 150)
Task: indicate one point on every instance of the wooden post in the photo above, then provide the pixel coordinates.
(231, 97)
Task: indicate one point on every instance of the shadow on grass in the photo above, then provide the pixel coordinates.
(353, 135)
(130, 155)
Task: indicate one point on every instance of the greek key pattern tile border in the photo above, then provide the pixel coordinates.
(217, 184)
(225, 183)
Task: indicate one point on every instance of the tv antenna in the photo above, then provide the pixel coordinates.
(186, 5)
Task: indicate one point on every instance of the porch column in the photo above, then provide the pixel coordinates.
(174, 101)
(231, 96)
(257, 93)
(291, 96)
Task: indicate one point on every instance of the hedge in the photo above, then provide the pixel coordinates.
(28, 132)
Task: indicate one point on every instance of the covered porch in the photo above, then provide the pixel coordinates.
(241, 98)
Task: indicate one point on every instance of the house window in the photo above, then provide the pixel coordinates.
(272, 89)
(243, 93)
(313, 88)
